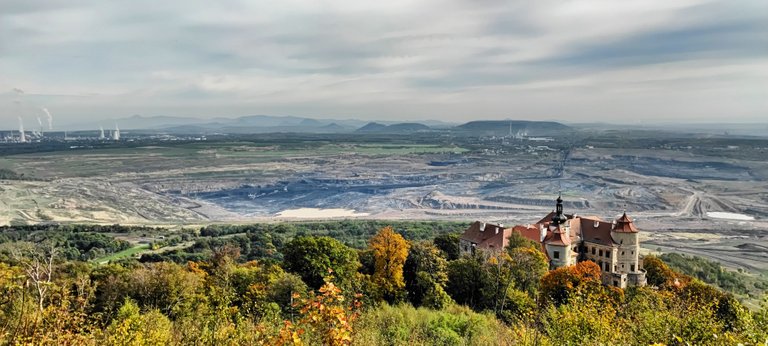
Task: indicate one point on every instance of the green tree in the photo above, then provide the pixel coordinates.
(516, 240)
(468, 281)
(528, 266)
(425, 274)
(165, 286)
(448, 243)
(312, 258)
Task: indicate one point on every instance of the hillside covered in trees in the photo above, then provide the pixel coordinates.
(250, 286)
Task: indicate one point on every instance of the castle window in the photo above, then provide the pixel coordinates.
(601, 253)
(593, 250)
(622, 253)
(632, 268)
(557, 254)
(607, 254)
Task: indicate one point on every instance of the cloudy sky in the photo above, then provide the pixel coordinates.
(454, 60)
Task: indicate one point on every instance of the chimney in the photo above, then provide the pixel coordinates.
(543, 233)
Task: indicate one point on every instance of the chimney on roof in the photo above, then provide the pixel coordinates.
(543, 231)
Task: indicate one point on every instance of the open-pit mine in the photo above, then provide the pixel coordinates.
(705, 196)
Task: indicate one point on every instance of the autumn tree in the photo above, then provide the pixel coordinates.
(658, 273)
(37, 262)
(528, 266)
(761, 316)
(558, 285)
(312, 257)
(165, 286)
(326, 318)
(131, 327)
(390, 251)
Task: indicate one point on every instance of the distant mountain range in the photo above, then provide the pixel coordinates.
(394, 128)
(292, 124)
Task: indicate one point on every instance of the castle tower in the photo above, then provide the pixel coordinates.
(558, 246)
(627, 236)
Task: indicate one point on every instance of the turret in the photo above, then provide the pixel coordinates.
(559, 245)
(627, 236)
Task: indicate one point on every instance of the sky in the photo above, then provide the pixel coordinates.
(626, 61)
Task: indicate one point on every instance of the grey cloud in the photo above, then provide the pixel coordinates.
(721, 40)
(441, 57)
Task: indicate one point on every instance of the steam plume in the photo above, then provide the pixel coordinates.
(50, 118)
(22, 136)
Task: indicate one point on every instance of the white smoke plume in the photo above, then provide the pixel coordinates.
(19, 91)
(40, 122)
(50, 118)
(22, 135)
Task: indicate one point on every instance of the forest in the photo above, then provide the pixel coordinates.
(260, 285)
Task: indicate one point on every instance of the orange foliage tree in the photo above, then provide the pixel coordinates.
(390, 250)
(325, 319)
(559, 284)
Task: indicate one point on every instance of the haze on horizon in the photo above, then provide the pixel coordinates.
(451, 60)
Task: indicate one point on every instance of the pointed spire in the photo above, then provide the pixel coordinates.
(624, 224)
(559, 218)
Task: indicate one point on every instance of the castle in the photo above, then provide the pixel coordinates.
(567, 239)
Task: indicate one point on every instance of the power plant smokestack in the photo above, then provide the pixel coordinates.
(22, 136)
(101, 133)
(50, 118)
(116, 133)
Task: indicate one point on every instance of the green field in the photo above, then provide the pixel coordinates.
(123, 254)
(107, 161)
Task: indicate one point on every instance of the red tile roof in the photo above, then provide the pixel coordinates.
(589, 228)
(531, 233)
(487, 235)
(596, 231)
(625, 225)
(559, 237)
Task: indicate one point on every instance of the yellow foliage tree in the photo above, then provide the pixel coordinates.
(390, 250)
(326, 319)
(132, 328)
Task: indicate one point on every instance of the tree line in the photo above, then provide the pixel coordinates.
(316, 290)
